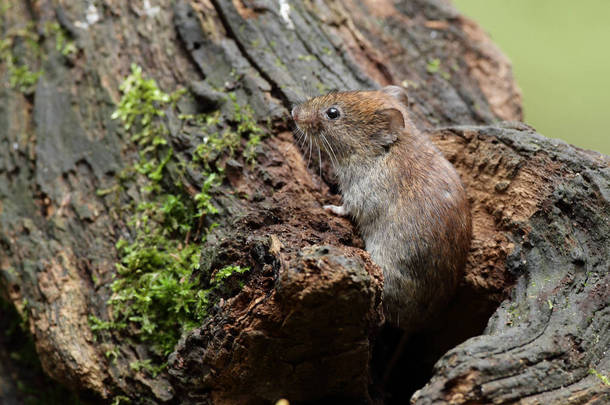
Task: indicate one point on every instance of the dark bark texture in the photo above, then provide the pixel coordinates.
(529, 324)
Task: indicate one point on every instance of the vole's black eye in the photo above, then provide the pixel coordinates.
(332, 113)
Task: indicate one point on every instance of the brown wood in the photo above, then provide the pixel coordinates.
(305, 325)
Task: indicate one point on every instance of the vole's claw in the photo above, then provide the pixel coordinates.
(336, 209)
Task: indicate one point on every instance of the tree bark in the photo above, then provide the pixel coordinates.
(532, 311)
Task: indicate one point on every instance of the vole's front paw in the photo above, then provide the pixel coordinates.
(336, 209)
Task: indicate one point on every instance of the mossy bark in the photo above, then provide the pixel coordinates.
(304, 324)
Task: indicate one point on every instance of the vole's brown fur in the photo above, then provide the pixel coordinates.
(405, 197)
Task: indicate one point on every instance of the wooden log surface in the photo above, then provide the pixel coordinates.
(305, 323)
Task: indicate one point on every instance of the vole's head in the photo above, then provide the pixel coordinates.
(354, 125)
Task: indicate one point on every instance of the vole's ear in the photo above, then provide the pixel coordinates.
(398, 92)
(395, 123)
(393, 118)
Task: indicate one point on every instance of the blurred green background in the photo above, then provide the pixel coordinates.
(560, 51)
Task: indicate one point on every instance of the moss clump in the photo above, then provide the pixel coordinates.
(147, 365)
(64, 44)
(227, 272)
(121, 399)
(605, 380)
(227, 141)
(246, 125)
(159, 291)
(21, 61)
(141, 103)
(22, 77)
(434, 66)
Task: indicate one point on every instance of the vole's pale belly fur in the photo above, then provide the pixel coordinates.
(408, 222)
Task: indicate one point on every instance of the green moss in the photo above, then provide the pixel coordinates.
(409, 84)
(22, 71)
(112, 354)
(322, 88)
(513, 315)
(141, 103)
(213, 145)
(247, 126)
(155, 292)
(159, 292)
(63, 41)
(604, 379)
(21, 77)
(227, 272)
(97, 324)
(306, 58)
(203, 199)
(5, 5)
(433, 65)
(279, 63)
(121, 399)
(147, 365)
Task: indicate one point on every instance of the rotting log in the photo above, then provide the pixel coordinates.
(548, 342)
(304, 324)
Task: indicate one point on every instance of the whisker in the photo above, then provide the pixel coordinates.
(302, 139)
(325, 144)
(309, 157)
(319, 159)
(331, 151)
(299, 136)
(303, 144)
